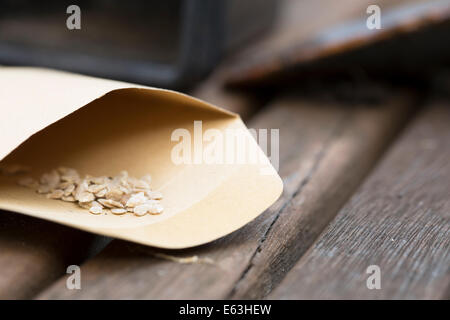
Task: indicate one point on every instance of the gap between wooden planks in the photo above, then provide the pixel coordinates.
(326, 149)
(398, 220)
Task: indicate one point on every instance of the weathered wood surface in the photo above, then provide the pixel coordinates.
(34, 253)
(399, 220)
(320, 143)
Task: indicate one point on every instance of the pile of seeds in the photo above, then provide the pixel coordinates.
(118, 195)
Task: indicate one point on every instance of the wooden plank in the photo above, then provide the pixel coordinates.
(330, 38)
(34, 253)
(297, 21)
(399, 220)
(320, 142)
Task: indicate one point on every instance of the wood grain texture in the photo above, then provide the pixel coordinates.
(34, 253)
(399, 220)
(319, 142)
(297, 21)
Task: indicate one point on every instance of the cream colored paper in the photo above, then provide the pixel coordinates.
(100, 127)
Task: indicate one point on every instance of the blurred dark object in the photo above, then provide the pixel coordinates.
(412, 43)
(165, 43)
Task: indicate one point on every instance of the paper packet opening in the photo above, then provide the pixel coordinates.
(101, 127)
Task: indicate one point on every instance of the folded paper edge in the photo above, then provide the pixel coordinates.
(119, 86)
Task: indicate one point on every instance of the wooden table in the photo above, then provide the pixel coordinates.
(366, 182)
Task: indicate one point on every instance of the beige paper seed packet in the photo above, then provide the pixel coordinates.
(213, 177)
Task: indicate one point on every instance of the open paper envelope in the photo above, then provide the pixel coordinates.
(101, 127)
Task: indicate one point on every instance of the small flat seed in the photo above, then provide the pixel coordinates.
(139, 184)
(85, 197)
(88, 205)
(51, 179)
(70, 176)
(69, 190)
(96, 210)
(109, 203)
(141, 210)
(118, 211)
(125, 199)
(85, 205)
(96, 203)
(125, 190)
(55, 194)
(101, 193)
(156, 209)
(96, 188)
(136, 199)
(155, 195)
(97, 180)
(114, 193)
(80, 190)
(68, 198)
(64, 184)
